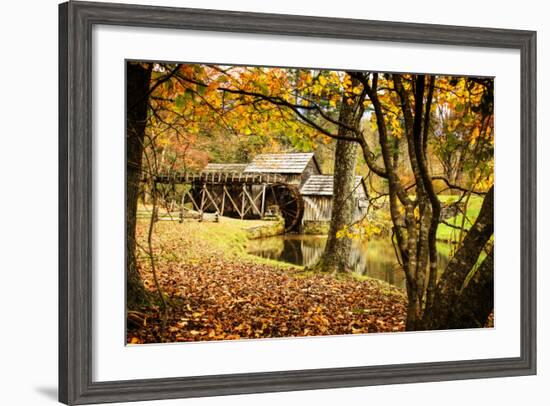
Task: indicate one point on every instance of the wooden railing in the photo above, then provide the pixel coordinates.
(212, 177)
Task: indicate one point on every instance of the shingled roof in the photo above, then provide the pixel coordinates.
(322, 185)
(225, 167)
(280, 163)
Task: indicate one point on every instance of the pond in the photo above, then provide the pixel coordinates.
(374, 258)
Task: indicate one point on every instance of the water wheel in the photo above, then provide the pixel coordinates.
(290, 204)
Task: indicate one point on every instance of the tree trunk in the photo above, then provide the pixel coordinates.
(449, 309)
(337, 251)
(476, 300)
(138, 78)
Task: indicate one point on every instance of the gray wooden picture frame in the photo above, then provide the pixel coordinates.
(76, 20)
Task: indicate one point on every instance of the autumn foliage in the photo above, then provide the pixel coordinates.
(418, 140)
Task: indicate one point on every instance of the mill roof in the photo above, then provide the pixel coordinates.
(323, 185)
(292, 163)
(225, 167)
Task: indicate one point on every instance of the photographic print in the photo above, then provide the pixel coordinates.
(270, 202)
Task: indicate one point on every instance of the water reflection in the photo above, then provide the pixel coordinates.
(374, 258)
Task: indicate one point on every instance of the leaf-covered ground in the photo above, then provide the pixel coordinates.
(216, 291)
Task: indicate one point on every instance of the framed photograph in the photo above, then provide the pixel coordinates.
(260, 202)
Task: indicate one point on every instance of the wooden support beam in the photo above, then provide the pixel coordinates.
(235, 206)
(256, 199)
(243, 202)
(252, 201)
(212, 199)
(195, 205)
(247, 206)
(263, 200)
(202, 201)
(223, 201)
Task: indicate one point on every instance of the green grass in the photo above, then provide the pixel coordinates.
(227, 238)
(446, 233)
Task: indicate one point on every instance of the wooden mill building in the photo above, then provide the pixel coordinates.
(289, 183)
(317, 193)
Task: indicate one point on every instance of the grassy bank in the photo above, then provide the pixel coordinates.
(192, 240)
(447, 233)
